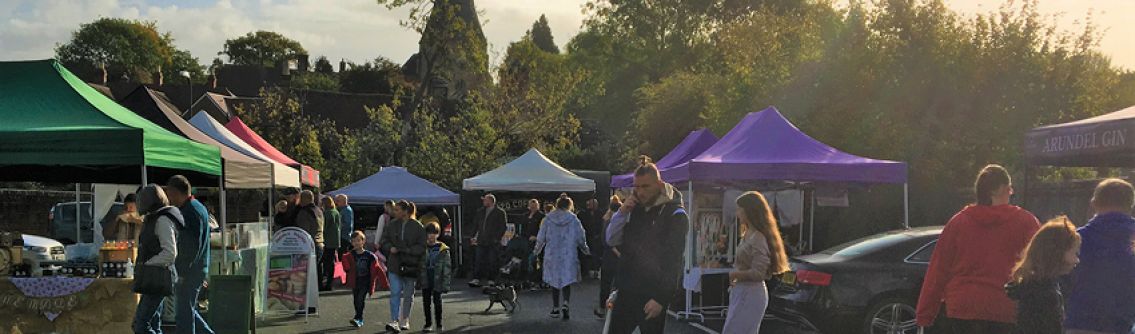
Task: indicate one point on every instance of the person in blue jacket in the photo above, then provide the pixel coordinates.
(1101, 298)
(192, 261)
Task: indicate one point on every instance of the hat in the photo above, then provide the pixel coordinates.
(291, 191)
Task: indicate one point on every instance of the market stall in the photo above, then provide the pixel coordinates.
(764, 151)
(532, 175)
(1106, 140)
(59, 129)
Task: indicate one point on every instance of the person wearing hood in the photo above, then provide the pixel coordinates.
(157, 246)
(974, 258)
(559, 238)
(1101, 296)
(1050, 254)
(651, 267)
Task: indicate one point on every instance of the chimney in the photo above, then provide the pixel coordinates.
(303, 64)
(342, 65)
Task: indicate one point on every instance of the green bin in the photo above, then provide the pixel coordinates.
(231, 304)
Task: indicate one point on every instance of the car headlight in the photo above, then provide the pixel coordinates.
(36, 249)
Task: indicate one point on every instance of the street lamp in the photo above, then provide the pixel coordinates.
(188, 81)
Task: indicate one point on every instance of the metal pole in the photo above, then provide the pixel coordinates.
(812, 223)
(223, 219)
(78, 217)
(460, 236)
(906, 205)
(691, 242)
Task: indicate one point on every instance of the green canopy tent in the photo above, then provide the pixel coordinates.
(56, 128)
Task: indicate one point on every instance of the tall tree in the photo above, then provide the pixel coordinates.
(261, 48)
(322, 65)
(117, 46)
(542, 35)
(378, 76)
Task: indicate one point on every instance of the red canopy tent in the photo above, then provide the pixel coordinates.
(308, 176)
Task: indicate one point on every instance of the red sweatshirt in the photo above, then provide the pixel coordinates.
(972, 262)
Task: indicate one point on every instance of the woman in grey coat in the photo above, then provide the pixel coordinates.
(561, 235)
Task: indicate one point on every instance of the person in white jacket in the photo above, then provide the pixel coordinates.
(157, 247)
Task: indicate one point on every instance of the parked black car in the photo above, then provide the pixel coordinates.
(870, 285)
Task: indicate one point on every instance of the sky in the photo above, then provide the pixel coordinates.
(360, 30)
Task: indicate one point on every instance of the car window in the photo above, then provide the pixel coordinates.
(867, 245)
(923, 255)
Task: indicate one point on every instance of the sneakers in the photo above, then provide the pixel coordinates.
(564, 310)
(356, 323)
(555, 313)
(427, 329)
(475, 283)
(440, 328)
(393, 327)
(405, 326)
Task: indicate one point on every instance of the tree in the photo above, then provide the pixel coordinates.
(261, 48)
(315, 81)
(378, 76)
(322, 65)
(117, 46)
(533, 90)
(542, 35)
(276, 116)
(182, 60)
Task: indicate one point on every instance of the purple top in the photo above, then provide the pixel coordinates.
(765, 146)
(695, 143)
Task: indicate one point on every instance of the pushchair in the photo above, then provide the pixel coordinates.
(514, 270)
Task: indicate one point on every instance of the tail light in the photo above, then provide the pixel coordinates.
(813, 278)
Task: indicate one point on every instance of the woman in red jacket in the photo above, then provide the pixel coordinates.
(975, 257)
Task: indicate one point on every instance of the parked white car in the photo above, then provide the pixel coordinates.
(39, 249)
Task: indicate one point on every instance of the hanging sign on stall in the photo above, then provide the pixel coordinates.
(290, 270)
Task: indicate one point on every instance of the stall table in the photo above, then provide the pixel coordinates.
(66, 305)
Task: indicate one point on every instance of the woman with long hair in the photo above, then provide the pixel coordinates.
(559, 238)
(760, 256)
(974, 258)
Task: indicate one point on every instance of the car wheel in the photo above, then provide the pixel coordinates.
(891, 316)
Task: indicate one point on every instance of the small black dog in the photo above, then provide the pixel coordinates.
(503, 294)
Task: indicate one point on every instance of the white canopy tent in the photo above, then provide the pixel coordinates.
(530, 172)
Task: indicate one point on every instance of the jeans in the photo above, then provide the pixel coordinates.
(189, 321)
(147, 317)
(487, 256)
(431, 298)
(360, 292)
(976, 326)
(327, 267)
(401, 296)
(627, 315)
(606, 276)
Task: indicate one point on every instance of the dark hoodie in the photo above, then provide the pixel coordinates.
(972, 261)
(1040, 306)
(651, 240)
(1101, 296)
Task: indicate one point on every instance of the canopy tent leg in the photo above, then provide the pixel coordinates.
(78, 217)
(812, 223)
(691, 245)
(460, 234)
(906, 205)
(223, 220)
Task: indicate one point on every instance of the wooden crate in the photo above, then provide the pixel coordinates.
(118, 255)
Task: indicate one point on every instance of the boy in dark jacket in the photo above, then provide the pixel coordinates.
(437, 275)
(362, 271)
(1101, 298)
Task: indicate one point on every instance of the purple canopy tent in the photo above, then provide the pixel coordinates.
(765, 146)
(695, 143)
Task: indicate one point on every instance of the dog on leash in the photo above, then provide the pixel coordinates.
(504, 295)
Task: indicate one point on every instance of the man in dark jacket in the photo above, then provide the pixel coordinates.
(650, 232)
(1101, 298)
(285, 214)
(592, 220)
(192, 261)
(491, 224)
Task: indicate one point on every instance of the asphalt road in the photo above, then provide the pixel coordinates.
(463, 313)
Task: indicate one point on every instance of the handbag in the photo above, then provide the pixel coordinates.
(154, 280)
